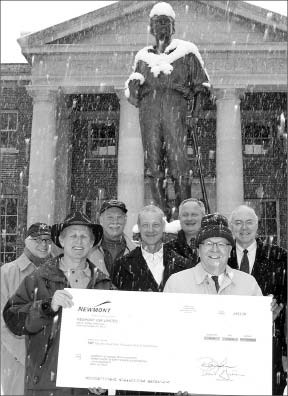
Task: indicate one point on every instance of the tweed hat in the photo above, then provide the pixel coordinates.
(75, 218)
(214, 225)
(113, 203)
(38, 229)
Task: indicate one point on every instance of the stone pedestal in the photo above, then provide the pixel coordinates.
(229, 161)
(130, 162)
(41, 188)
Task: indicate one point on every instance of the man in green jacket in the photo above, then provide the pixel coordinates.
(35, 310)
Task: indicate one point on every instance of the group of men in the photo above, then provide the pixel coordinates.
(206, 257)
(209, 255)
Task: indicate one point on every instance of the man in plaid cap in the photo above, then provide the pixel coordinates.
(36, 251)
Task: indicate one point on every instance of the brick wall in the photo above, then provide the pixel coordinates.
(88, 175)
(15, 165)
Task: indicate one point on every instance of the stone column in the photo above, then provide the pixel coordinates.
(229, 161)
(41, 188)
(63, 161)
(130, 162)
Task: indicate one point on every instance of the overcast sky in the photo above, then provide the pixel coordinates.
(29, 16)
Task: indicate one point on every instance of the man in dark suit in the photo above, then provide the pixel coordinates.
(191, 212)
(148, 267)
(268, 264)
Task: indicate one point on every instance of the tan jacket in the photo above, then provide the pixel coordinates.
(96, 255)
(12, 274)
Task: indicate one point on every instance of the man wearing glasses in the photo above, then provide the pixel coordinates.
(212, 275)
(36, 251)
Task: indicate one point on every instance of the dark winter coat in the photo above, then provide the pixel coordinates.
(132, 272)
(181, 247)
(270, 272)
(29, 312)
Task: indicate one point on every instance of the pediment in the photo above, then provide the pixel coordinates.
(125, 23)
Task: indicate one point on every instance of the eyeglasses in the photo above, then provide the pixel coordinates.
(219, 245)
(40, 240)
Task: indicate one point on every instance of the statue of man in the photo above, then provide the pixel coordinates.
(166, 76)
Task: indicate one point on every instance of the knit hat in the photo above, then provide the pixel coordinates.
(76, 218)
(214, 225)
(38, 229)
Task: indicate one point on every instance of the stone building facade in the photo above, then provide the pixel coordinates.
(75, 140)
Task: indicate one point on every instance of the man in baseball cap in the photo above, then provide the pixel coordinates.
(36, 251)
(212, 275)
(114, 244)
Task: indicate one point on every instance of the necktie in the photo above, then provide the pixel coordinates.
(215, 279)
(244, 266)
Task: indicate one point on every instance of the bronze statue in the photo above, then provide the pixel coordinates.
(166, 77)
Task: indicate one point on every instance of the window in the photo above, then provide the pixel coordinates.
(258, 137)
(268, 213)
(205, 130)
(102, 138)
(9, 125)
(9, 224)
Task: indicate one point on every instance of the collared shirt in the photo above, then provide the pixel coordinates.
(251, 254)
(155, 263)
(221, 277)
(197, 281)
(78, 278)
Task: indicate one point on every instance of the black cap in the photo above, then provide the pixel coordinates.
(113, 203)
(76, 218)
(38, 229)
(214, 225)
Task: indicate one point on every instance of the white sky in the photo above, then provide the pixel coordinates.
(31, 16)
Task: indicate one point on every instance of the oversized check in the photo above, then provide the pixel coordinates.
(166, 342)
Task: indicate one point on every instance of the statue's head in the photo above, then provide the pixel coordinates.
(162, 21)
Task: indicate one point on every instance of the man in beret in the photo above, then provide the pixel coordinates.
(36, 251)
(35, 309)
(212, 275)
(114, 243)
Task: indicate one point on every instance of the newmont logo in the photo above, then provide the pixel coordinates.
(96, 308)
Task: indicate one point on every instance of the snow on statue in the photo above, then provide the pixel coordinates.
(166, 76)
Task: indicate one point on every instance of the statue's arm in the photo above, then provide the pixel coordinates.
(133, 85)
(200, 86)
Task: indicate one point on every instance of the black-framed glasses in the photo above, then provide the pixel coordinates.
(219, 245)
